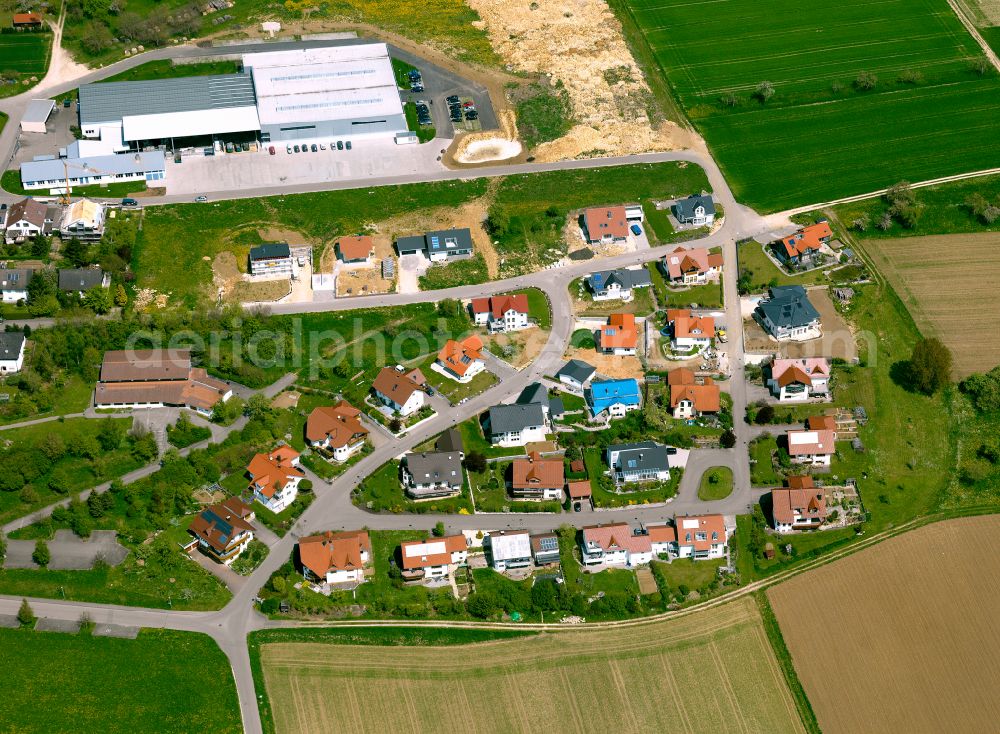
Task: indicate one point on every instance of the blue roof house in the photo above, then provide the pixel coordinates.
(614, 398)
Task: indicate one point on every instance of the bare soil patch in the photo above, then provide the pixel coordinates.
(246, 291)
(606, 364)
(362, 282)
(901, 637)
(526, 346)
(949, 285)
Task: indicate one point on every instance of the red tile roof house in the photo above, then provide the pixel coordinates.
(222, 531)
(26, 20)
(690, 332)
(461, 361)
(355, 249)
(619, 545)
(538, 478)
(400, 390)
(339, 559)
(812, 448)
(797, 380)
(694, 266)
(799, 506)
(501, 313)
(336, 429)
(620, 336)
(434, 558)
(700, 536)
(801, 248)
(275, 477)
(605, 224)
(691, 401)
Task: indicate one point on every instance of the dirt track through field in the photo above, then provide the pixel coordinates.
(902, 637)
(710, 673)
(948, 283)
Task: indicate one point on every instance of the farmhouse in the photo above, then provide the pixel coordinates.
(336, 558)
(691, 267)
(14, 284)
(336, 429)
(799, 506)
(620, 336)
(617, 285)
(796, 380)
(812, 448)
(11, 351)
(613, 398)
(26, 219)
(400, 390)
(545, 549)
(155, 378)
(576, 374)
(690, 332)
(223, 531)
(81, 280)
(508, 549)
(645, 461)
(538, 478)
(501, 313)
(26, 20)
(692, 401)
(272, 259)
(355, 249)
(461, 361)
(697, 209)
(788, 314)
(432, 559)
(83, 219)
(605, 224)
(700, 537)
(432, 474)
(802, 247)
(438, 246)
(275, 477)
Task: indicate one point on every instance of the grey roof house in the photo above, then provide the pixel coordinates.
(576, 373)
(607, 284)
(438, 245)
(639, 462)
(82, 279)
(787, 313)
(433, 474)
(536, 392)
(450, 440)
(696, 209)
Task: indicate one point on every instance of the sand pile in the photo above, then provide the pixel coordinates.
(580, 43)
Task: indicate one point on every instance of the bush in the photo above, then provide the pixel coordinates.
(41, 554)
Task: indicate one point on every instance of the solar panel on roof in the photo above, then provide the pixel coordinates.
(549, 544)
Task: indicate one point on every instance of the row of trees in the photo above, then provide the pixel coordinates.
(105, 22)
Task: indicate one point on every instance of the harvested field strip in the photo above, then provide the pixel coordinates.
(709, 672)
(901, 638)
(948, 282)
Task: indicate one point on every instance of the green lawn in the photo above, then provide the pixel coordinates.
(452, 389)
(638, 494)
(382, 491)
(401, 70)
(538, 307)
(762, 473)
(763, 273)
(721, 488)
(695, 575)
(543, 114)
(26, 53)
(167, 70)
(424, 132)
(641, 303)
(453, 274)
(929, 114)
(161, 681)
(473, 440)
(490, 492)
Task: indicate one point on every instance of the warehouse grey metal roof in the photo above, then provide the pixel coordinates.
(98, 165)
(111, 101)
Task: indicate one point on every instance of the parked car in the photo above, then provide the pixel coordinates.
(296, 149)
(288, 149)
(314, 148)
(417, 86)
(270, 149)
(636, 229)
(348, 144)
(201, 199)
(469, 105)
(245, 146)
(229, 148)
(129, 202)
(340, 145)
(322, 146)
(452, 99)
(576, 507)
(471, 115)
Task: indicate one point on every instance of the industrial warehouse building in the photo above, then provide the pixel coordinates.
(340, 92)
(54, 173)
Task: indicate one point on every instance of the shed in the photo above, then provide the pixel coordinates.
(36, 115)
(858, 446)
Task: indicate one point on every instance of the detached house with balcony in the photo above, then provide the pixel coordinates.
(613, 398)
(432, 474)
(619, 336)
(697, 210)
(435, 558)
(694, 401)
(799, 506)
(336, 429)
(26, 219)
(222, 531)
(538, 478)
(271, 260)
(690, 332)
(788, 314)
(508, 549)
(620, 545)
(604, 225)
(812, 447)
(501, 314)
(644, 461)
(692, 267)
(336, 559)
(401, 390)
(801, 248)
(797, 380)
(700, 537)
(275, 477)
(617, 285)
(461, 361)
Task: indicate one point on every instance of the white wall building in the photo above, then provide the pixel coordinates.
(506, 550)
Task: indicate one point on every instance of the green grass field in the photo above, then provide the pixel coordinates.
(168, 70)
(819, 137)
(721, 488)
(161, 681)
(25, 53)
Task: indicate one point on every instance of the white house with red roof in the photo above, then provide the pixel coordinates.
(434, 558)
(692, 267)
(812, 448)
(401, 390)
(689, 331)
(336, 558)
(799, 506)
(275, 477)
(803, 246)
(615, 545)
(700, 537)
(461, 361)
(797, 380)
(501, 313)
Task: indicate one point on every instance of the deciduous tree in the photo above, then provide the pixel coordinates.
(930, 366)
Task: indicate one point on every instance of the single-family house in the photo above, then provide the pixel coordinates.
(545, 549)
(536, 392)
(434, 558)
(799, 506)
(613, 398)
(515, 425)
(356, 249)
(795, 380)
(26, 20)
(697, 209)
(692, 401)
(681, 376)
(644, 461)
(619, 336)
(691, 267)
(812, 448)
(223, 531)
(26, 219)
(538, 478)
(438, 246)
(275, 477)
(605, 224)
(689, 331)
(788, 314)
(615, 545)
(451, 441)
(576, 374)
(401, 390)
(11, 351)
(336, 558)
(84, 220)
(461, 361)
(501, 313)
(824, 422)
(14, 284)
(508, 549)
(617, 285)
(337, 429)
(430, 474)
(802, 247)
(700, 537)
(82, 280)
(273, 259)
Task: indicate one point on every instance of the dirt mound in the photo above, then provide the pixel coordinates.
(225, 272)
